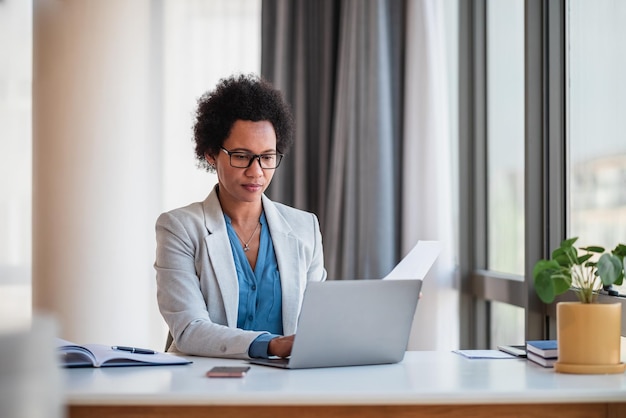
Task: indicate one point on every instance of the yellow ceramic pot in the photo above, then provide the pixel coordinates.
(588, 336)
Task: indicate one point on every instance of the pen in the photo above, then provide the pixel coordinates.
(133, 349)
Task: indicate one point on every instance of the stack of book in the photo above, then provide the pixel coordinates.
(542, 352)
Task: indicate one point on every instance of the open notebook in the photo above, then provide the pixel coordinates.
(100, 355)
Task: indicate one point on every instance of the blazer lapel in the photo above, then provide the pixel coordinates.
(286, 247)
(220, 257)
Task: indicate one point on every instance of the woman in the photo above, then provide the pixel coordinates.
(231, 270)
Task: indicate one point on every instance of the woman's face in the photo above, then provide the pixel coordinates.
(245, 184)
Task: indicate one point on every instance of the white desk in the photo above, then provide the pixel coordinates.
(440, 384)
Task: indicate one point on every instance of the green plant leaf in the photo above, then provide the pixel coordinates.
(565, 256)
(544, 286)
(620, 279)
(619, 250)
(593, 249)
(559, 252)
(543, 272)
(545, 265)
(569, 242)
(610, 268)
(562, 283)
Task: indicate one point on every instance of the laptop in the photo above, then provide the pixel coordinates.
(352, 323)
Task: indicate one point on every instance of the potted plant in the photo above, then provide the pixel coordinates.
(588, 333)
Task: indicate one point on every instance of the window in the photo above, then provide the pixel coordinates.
(596, 105)
(505, 136)
(495, 171)
(575, 170)
(202, 43)
(505, 160)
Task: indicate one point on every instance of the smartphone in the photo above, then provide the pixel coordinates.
(228, 371)
(516, 350)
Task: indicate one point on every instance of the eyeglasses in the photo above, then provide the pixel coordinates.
(240, 159)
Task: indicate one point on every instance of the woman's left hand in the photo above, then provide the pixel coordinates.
(281, 346)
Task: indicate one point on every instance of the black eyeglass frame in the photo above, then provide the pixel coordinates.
(252, 157)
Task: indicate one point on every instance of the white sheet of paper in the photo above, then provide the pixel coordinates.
(484, 354)
(417, 262)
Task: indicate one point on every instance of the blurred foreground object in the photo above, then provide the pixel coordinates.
(30, 378)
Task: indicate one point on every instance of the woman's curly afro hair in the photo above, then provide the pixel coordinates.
(242, 97)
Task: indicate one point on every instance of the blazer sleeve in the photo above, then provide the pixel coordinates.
(186, 287)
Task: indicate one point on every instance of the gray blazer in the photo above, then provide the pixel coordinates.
(197, 288)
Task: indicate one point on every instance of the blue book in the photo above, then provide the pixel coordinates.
(544, 362)
(543, 348)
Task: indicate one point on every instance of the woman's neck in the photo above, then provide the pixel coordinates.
(241, 213)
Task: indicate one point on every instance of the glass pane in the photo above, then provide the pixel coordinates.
(505, 136)
(507, 324)
(596, 106)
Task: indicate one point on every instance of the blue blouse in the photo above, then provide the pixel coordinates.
(260, 297)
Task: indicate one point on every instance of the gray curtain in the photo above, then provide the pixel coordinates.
(340, 64)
